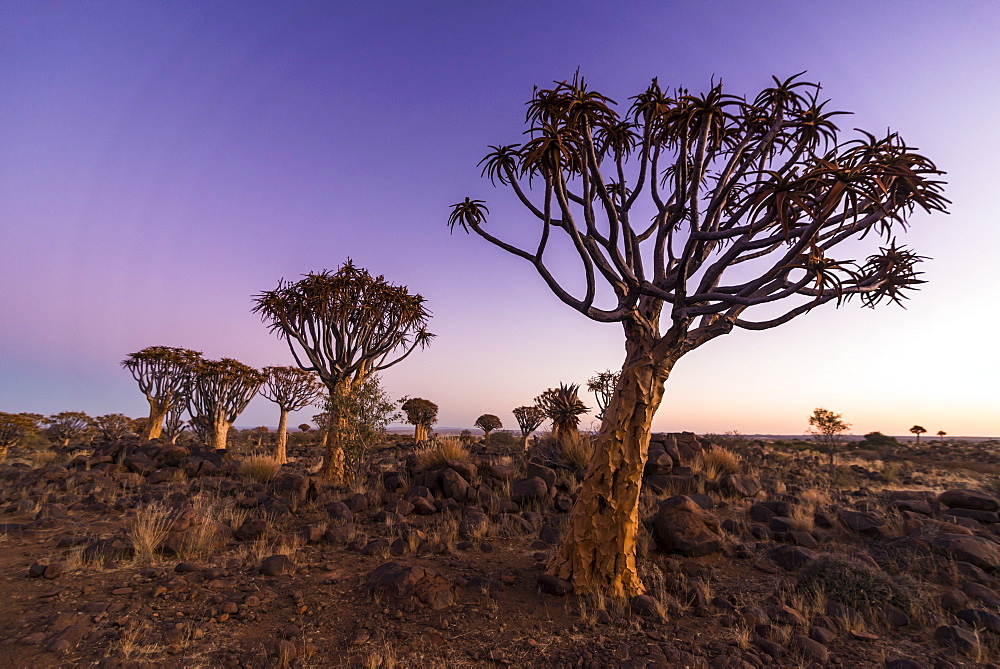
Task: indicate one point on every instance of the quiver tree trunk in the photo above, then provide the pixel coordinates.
(597, 551)
(218, 432)
(419, 433)
(280, 447)
(336, 427)
(154, 424)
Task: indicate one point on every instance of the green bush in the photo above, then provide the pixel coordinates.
(504, 440)
(856, 584)
(878, 440)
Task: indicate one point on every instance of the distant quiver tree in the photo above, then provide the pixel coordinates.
(918, 430)
(420, 413)
(487, 423)
(162, 373)
(113, 426)
(694, 212)
(603, 385)
(219, 391)
(345, 326)
(528, 419)
(15, 427)
(291, 389)
(68, 425)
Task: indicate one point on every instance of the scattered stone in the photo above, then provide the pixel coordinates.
(553, 585)
(969, 499)
(791, 558)
(276, 565)
(980, 552)
(526, 490)
(959, 638)
(680, 525)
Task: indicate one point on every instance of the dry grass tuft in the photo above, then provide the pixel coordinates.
(438, 452)
(717, 462)
(260, 468)
(579, 451)
(148, 530)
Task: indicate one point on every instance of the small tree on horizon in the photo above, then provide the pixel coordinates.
(710, 213)
(291, 389)
(218, 392)
(68, 425)
(603, 386)
(487, 423)
(528, 419)
(941, 435)
(345, 326)
(162, 373)
(113, 426)
(421, 414)
(828, 428)
(14, 428)
(918, 430)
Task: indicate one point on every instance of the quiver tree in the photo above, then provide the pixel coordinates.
(941, 435)
(218, 393)
(603, 386)
(113, 426)
(528, 419)
(828, 426)
(698, 215)
(345, 326)
(173, 422)
(291, 389)
(420, 413)
(14, 428)
(68, 425)
(918, 430)
(162, 373)
(487, 423)
(563, 407)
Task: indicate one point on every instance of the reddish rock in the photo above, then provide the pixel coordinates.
(681, 526)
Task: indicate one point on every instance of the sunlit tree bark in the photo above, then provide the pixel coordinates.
(162, 373)
(218, 392)
(291, 389)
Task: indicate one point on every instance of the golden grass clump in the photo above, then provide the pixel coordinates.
(439, 451)
(718, 462)
(260, 468)
(148, 530)
(578, 451)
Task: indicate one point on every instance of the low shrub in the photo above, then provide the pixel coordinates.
(855, 583)
(260, 468)
(718, 462)
(439, 451)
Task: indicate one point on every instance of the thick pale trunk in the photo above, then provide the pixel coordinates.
(154, 424)
(597, 552)
(218, 432)
(280, 449)
(333, 463)
(524, 442)
(419, 433)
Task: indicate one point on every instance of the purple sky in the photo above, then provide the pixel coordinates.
(162, 162)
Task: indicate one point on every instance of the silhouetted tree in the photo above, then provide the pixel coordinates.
(603, 386)
(173, 422)
(941, 435)
(344, 326)
(563, 407)
(702, 210)
(14, 428)
(305, 427)
(528, 419)
(162, 373)
(828, 426)
(917, 430)
(113, 426)
(68, 425)
(219, 391)
(291, 389)
(420, 413)
(487, 423)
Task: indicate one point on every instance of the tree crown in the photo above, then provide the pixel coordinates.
(748, 199)
(222, 388)
(290, 388)
(488, 422)
(419, 411)
(346, 323)
(161, 371)
(562, 405)
(826, 423)
(529, 418)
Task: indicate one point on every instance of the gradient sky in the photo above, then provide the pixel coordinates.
(162, 162)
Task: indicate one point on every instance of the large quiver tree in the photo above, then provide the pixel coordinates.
(345, 326)
(162, 373)
(291, 389)
(219, 391)
(420, 413)
(696, 212)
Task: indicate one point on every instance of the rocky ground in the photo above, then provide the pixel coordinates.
(164, 555)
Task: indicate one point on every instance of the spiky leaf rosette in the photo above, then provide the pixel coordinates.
(562, 406)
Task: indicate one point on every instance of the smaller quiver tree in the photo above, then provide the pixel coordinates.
(219, 392)
(113, 426)
(918, 430)
(291, 389)
(68, 425)
(173, 422)
(14, 428)
(828, 428)
(603, 386)
(162, 373)
(487, 423)
(941, 435)
(420, 413)
(563, 407)
(528, 419)
(345, 326)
